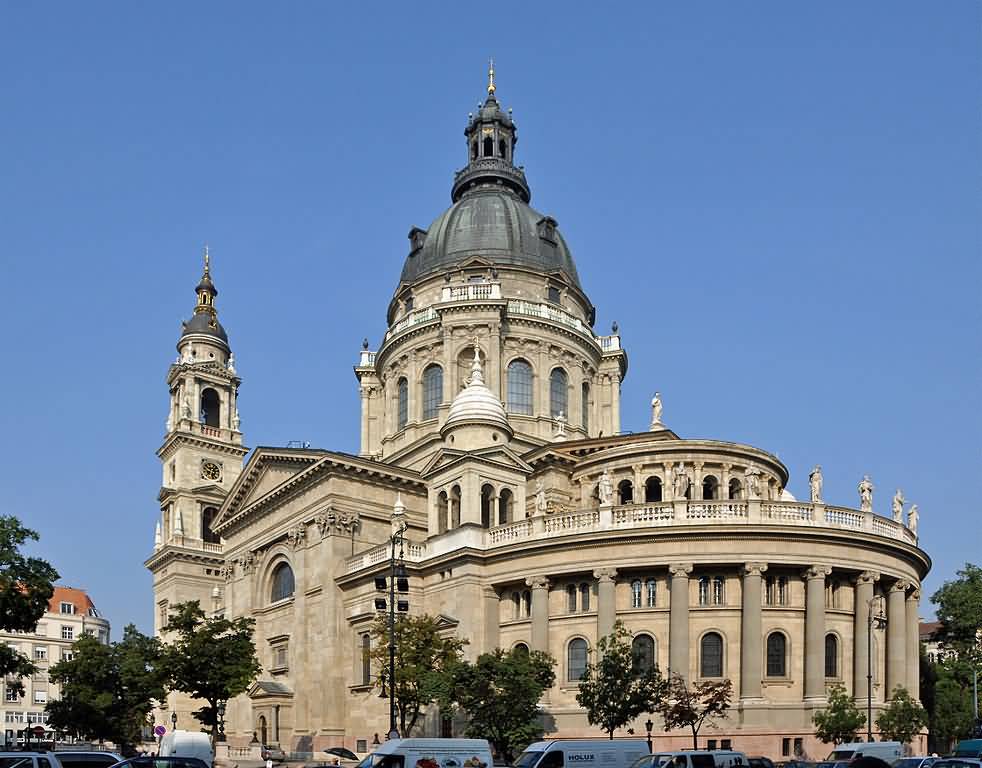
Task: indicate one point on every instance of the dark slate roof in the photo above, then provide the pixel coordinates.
(496, 225)
(201, 323)
(270, 686)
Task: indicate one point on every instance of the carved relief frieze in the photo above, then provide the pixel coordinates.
(296, 535)
(332, 520)
(227, 571)
(246, 562)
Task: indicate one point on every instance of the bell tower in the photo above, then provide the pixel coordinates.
(201, 457)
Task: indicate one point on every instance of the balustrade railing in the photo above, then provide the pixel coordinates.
(648, 514)
(511, 532)
(548, 312)
(715, 510)
(411, 320)
(572, 521)
(791, 512)
(847, 518)
(471, 292)
(209, 546)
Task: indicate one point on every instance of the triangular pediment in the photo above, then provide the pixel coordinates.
(497, 456)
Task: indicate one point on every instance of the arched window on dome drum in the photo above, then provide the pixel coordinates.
(585, 407)
(576, 658)
(710, 487)
(489, 147)
(505, 504)
(571, 592)
(282, 583)
(636, 593)
(651, 587)
(210, 408)
(777, 646)
(207, 534)
(473, 150)
(516, 602)
(455, 507)
(558, 395)
(432, 391)
(643, 653)
(487, 505)
(831, 656)
(652, 489)
(520, 387)
(584, 598)
(736, 490)
(403, 409)
(502, 149)
(711, 655)
(625, 491)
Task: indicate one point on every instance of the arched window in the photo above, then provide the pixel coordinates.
(487, 502)
(455, 507)
(263, 730)
(777, 646)
(576, 658)
(442, 512)
(718, 596)
(652, 489)
(710, 487)
(636, 593)
(403, 409)
(711, 655)
(505, 503)
(520, 387)
(474, 150)
(703, 590)
(736, 490)
(432, 391)
(584, 598)
(488, 147)
(282, 586)
(651, 588)
(625, 490)
(643, 651)
(571, 598)
(207, 518)
(210, 408)
(831, 655)
(585, 407)
(515, 605)
(521, 648)
(526, 604)
(558, 382)
(502, 149)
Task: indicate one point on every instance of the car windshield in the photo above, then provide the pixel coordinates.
(910, 762)
(950, 762)
(841, 754)
(367, 762)
(645, 761)
(527, 759)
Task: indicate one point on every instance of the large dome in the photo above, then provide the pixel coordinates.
(495, 224)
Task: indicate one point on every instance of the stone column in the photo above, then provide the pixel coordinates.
(365, 449)
(638, 483)
(540, 612)
(815, 631)
(615, 403)
(750, 632)
(678, 622)
(913, 644)
(896, 637)
(860, 633)
(606, 601)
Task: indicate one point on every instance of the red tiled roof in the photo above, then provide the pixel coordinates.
(76, 597)
(928, 629)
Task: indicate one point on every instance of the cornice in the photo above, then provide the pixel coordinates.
(209, 368)
(177, 439)
(168, 553)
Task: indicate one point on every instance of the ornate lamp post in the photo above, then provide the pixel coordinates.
(397, 581)
(221, 720)
(648, 725)
(880, 622)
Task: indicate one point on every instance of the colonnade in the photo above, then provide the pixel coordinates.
(902, 638)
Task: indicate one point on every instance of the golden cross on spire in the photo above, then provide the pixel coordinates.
(207, 260)
(491, 77)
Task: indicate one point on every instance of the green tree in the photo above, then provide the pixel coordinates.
(26, 586)
(692, 707)
(107, 690)
(960, 613)
(615, 688)
(212, 659)
(902, 719)
(424, 658)
(952, 717)
(500, 693)
(841, 721)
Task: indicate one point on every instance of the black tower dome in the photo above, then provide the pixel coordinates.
(490, 216)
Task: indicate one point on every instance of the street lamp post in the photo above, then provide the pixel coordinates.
(648, 725)
(880, 621)
(221, 720)
(397, 538)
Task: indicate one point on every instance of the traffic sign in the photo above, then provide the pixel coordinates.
(159, 730)
(39, 731)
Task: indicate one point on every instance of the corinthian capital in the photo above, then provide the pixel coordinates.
(537, 582)
(900, 585)
(754, 569)
(680, 569)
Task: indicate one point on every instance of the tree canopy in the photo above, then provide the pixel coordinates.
(841, 720)
(960, 613)
(26, 586)
(682, 706)
(615, 687)
(212, 659)
(424, 656)
(902, 718)
(108, 690)
(500, 693)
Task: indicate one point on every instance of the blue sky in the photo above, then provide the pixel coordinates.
(777, 202)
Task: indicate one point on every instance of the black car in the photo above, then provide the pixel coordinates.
(162, 762)
(760, 762)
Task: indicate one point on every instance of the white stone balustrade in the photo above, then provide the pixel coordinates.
(427, 315)
(471, 292)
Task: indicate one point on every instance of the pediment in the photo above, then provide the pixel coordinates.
(499, 457)
(269, 689)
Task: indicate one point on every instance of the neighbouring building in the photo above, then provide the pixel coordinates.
(491, 428)
(70, 613)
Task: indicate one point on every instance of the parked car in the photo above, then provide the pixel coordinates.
(958, 762)
(91, 759)
(556, 753)
(29, 760)
(760, 762)
(915, 762)
(275, 754)
(163, 762)
(968, 748)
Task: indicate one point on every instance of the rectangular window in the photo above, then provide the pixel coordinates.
(726, 744)
(366, 659)
(10, 694)
(67, 633)
(280, 657)
(361, 745)
(553, 294)
(162, 613)
(710, 744)
(785, 747)
(40, 697)
(703, 591)
(718, 590)
(68, 608)
(40, 653)
(584, 598)
(14, 717)
(67, 655)
(635, 594)
(571, 598)
(652, 592)
(782, 590)
(799, 745)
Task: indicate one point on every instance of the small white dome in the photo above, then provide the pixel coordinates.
(786, 495)
(476, 403)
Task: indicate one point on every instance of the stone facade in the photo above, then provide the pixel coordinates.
(531, 519)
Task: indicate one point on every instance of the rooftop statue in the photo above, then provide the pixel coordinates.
(898, 506)
(605, 488)
(912, 516)
(656, 408)
(815, 484)
(866, 494)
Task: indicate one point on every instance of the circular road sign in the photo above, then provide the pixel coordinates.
(39, 731)
(159, 730)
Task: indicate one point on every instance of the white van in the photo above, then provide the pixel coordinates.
(582, 753)
(843, 754)
(187, 744)
(431, 753)
(717, 758)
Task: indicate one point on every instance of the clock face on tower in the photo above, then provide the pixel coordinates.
(211, 471)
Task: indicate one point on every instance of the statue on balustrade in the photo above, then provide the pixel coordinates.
(540, 498)
(231, 363)
(656, 407)
(752, 477)
(186, 407)
(815, 484)
(912, 516)
(866, 494)
(605, 488)
(236, 421)
(898, 506)
(681, 484)
(560, 430)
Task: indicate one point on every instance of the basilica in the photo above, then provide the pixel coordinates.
(491, 435)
